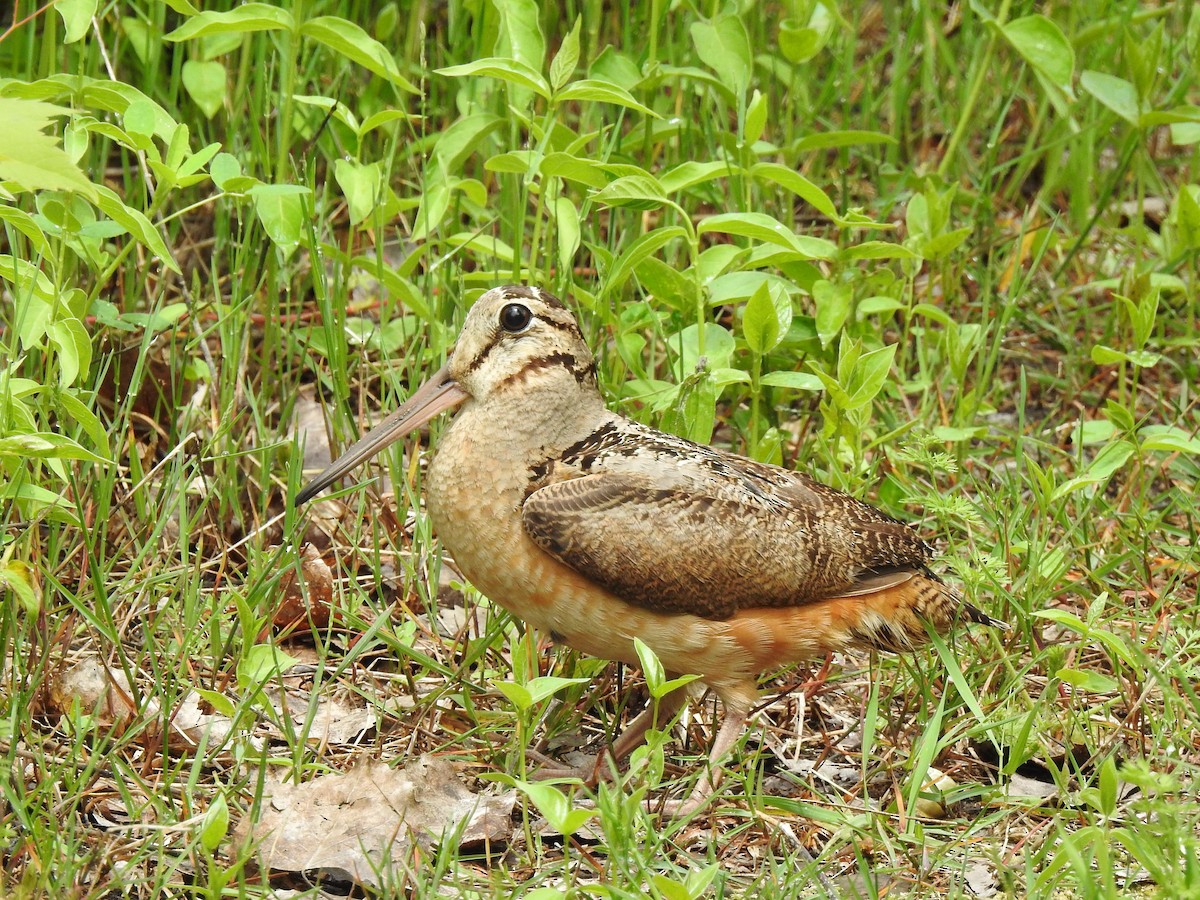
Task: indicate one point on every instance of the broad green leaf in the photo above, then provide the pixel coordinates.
(356, 45)
(1110, 458)
(554, 805)
(261, 664)
(762, 227)
(281, 210)
(205, 84)
(759, 323)
(77, 17)
(796, 381)
(225, 166)
(19, 578)
(1042, 44)
(24, 223)
(361, 184)
(833, 139)
(724, 47)
(870, 374)
(793, 181)
(567, 57)
(602, 92)
(505, 69)
(381, 118)
(520, 35)
(45, 445)
(799, 42)
(215, 824)
(567, 232)
(573, 168)
(1088, 680)
(876, 250)
(718, 349)
(462, 139)
(616, 68)
(834, 303)
(74, 345)
(1116, 93)
(688, 174)
(632, 191)
(133, 221)
(1170, 438)
(31, 158)
(241, 20)
(646, 245)
(516, 694)
(756, 118)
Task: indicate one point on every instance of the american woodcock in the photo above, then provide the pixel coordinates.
(597, 530)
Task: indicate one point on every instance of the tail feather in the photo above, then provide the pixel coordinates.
(895, 619)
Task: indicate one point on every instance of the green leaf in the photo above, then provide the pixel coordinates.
(1170, 438)
(215, 824)
(18, 578)
(1087, 680)
(77, 17)
(45, 445)
(74, 345)
(870, 374)
(508, 70)
(225, 166)
(554, 805)
(362, 186)
(760, 325)
(762, 227)
(1042, 44)
(520, 35)
(796, 381)
(1116, 93)
(32, 159)
(800, 42)
(632, 191)
(567, 232)
(724, 47)
(241, 20)
(793, 181)
(261, 664)
(133, 221)
(281, 210)
(834, 303)
(756, 118)
(24, 223)
(603, 92)
(689, 174)
(1110, 458)
(833, 139)
(646, 245)
(356, 45)
(877, 250)
(652, 668)
(205, 84)
(462, 139)
(567, 57)
(515, 694)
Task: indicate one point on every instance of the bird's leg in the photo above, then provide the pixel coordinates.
(727, 736)
(633, 736)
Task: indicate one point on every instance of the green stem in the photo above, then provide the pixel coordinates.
(981, 73)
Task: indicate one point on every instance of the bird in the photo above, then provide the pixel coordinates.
(598, 530)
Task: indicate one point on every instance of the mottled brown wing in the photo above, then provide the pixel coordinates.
(710, 553)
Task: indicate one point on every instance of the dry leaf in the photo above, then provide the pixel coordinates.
(360, 822)
(309, 602)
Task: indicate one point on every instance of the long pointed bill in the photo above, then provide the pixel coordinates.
(438, 394)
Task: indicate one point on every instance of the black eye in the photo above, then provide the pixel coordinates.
(515, 317)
